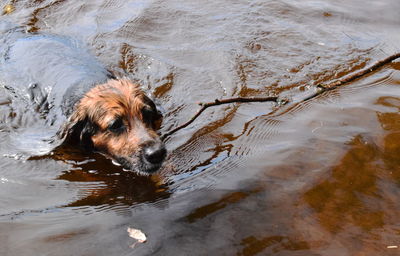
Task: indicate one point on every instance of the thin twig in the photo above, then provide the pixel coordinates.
(322, 88)
(217, 102)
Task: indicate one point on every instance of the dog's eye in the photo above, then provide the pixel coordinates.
(117, 126)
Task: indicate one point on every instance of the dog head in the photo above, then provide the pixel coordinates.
(120, 121)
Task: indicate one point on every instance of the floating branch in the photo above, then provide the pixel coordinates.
(217, 102)
(349, 78)
(322, 88)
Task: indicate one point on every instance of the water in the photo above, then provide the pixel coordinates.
(314, 178)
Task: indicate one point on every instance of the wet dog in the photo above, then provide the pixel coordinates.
(89, 106)
(119, 120)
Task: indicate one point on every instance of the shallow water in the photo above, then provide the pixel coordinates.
(320, 177)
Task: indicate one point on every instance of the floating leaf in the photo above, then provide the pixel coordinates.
(137, 234)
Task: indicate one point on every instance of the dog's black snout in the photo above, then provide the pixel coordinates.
(155, 153)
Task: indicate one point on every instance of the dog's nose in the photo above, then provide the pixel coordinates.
(155, 153)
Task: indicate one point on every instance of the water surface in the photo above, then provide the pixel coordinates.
(320, 177)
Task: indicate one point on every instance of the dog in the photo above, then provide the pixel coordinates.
(90, 106)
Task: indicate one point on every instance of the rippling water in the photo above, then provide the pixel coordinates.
(320, 177)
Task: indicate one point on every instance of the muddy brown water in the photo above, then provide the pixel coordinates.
(320, 177)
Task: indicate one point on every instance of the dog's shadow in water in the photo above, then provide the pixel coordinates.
(112, 185)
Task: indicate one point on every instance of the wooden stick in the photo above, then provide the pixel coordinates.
(349, 78)
(217, 102)
(322, 88)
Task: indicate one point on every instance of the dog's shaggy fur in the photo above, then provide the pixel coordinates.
(81, 99)
(119, 120)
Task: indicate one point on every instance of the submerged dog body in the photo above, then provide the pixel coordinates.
(77, 95)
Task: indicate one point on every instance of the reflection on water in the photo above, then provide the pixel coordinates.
(358, 186)
(317, 178)
(340, 198)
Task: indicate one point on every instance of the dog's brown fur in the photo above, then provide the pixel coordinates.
(119, 120)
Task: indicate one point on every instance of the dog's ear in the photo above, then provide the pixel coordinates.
(87, 131)
(156, 113)
(78, 129)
